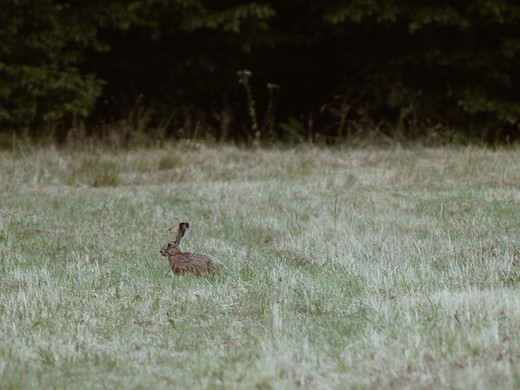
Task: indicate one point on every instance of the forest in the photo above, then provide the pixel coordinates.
(245, 71)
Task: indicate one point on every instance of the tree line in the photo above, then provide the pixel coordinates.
(242, 70)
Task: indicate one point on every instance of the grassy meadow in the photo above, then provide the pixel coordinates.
(363, 269)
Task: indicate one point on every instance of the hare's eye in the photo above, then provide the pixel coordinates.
(169, 244)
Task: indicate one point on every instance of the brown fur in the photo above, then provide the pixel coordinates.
(187, 262)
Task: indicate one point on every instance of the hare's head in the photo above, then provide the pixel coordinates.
(174, 247)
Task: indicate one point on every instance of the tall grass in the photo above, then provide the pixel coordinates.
(348, 268)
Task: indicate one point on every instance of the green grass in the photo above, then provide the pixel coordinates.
(347, 268)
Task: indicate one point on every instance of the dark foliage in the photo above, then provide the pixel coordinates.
(335, 67)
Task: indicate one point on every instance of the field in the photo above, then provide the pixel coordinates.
(367, 269)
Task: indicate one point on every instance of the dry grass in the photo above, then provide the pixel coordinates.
(348, 268)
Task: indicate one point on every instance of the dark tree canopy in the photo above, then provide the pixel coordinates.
(337, 66)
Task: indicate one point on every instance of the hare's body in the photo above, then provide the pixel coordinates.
(182, 262)
(196, 263)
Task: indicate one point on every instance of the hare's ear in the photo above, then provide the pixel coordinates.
(183, 230)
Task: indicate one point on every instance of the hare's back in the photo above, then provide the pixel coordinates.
(197, 263)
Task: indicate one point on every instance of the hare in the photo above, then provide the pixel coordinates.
(195, 263)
